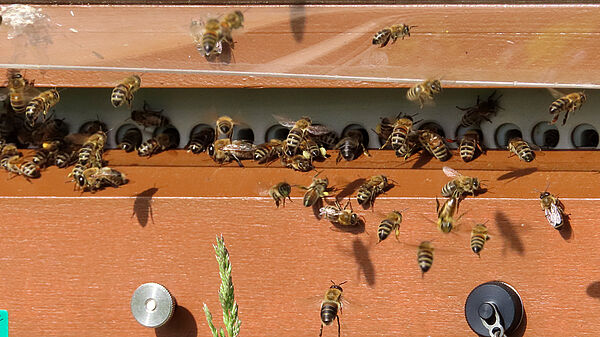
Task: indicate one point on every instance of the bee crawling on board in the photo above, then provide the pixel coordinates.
(317, 190)
(460, 184)
(423, 92)
(517, 146)
(340, 216)
(433, 143)
(373, 187)
(470, 145)
(230, 22)
(390, 223)
(553, 210)
(279, 192)
(331, 305)
(391, 33)
(225, 151)
(400, 134)
(565, 103)
(164, 140)
(269, 151)
(298, 133)
(479, 236)
(313, 150)
(351, 146)
(131, 140)
(97, 178)
(200, 140)
(297, 163)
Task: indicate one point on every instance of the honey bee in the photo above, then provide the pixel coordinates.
(434, 144)
(338, 215)
(410, 146)
(390, 223)
(297, 162)
(77, 174)
(131, 140)
(231, 21)
(40, 104)
(424, 91)
(21, 91)
(371, 189)
(225, 151)
(96, 178)
(469, 144)
(64, 157)
(401, 129)
(298, 132)
(51, 129)
(91, 151)
(12, 163)
(446, 212)
(200, 140)
(327, 140)
(269, 151)
(567, 103)
(553, 209)
(149, 118)
(331, 304)
(318, 189)
(521, 149)
(350, 145)
(207, 36)
(29, 169)
(384, 130)
(279, 192)
(459, 185)
(224, 127)
(391, 33)
(425, 256)
(8, 149)
(123, 92)
(42, 157)
(311, 150)
(159, 143)
(479, 235)
(482, 110)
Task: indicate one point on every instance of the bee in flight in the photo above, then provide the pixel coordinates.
(553, 209)
(207, 36)
(279, 192)
(338, 215)
(391, 33)
(479, 235)
(123, 91)
(482, 110)
(40, 104)
(318, 189)
(446, 212)
(470, 145)
(331, 304)
(459, 185)
(425, 256)
(390, 223)
(424, 91)
(20, 91)
(371, 189)
(231, 21)
(298, 132)
(567, 104)
(224, 127)
(521, 149)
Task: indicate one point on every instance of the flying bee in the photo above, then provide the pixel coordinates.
(131, 140)
(269, 151)
(482, 110)
(96, 178)
(331, 304)
(231, 21)
(311, 150)
(350, 145)
(149, 118)
(459, 185)
(446, 212)
(207, 36)
(224, 127)
(384, 130)
(297, 163)
(200, 140)
(163, 141)
(521, 149)
(40, 104)
(434, 144)
(21, 91)
(479, 235)
(371, 189)
(390, 223)
(425, 256)
(553, 209)
(469, 145)
(225, 151)
(391, 33)
(123, 92)
(279, 192)
(338, 215)
(424, 91)
(318, 189)
(298, 132)
(567, 103)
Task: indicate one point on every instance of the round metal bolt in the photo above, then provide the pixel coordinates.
(485, 311)
(152, 305)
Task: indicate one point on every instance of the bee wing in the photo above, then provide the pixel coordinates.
(318, 129)
(243, 147)
(288, 123)
(3, 94)
(30, 92)
(450, 172)
(555, 93)
(553, 215)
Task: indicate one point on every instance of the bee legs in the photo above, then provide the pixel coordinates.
(237, 160)
(338, 320)
(321, 333)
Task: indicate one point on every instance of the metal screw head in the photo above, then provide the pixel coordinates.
(152, 305)
(485, 311)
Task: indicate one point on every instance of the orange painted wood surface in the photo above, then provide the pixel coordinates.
(71, 261)
(316, 46)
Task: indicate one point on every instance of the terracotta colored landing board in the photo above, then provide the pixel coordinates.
(328, 46)
(70, 266)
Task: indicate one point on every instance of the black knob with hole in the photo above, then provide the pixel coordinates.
(480, 306)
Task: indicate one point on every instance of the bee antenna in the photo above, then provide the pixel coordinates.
(548, 185)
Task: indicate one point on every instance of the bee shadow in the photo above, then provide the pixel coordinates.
(360, 252)
(142, 206)
(298, 20)
(511, 237)
(519, 173)
(520, 332)
(480, 191)
(350, 188)
(182, 324)
(566, 232)
(359, 228)
(422, 160)
(593, 289)
(316, 208)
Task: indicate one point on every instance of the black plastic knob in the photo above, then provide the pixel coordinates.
(485, 299)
